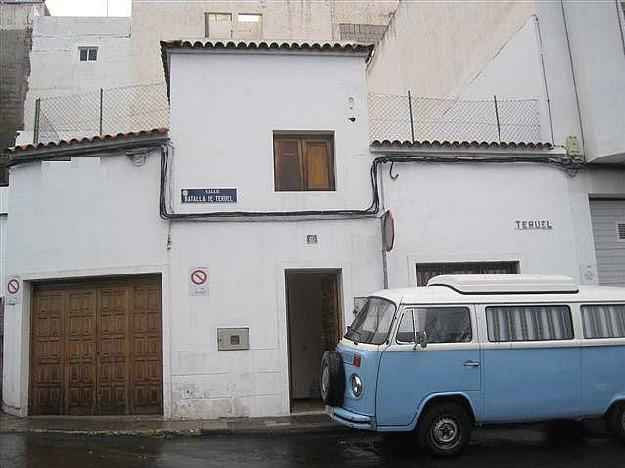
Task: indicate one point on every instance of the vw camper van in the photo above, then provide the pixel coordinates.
(468, 350)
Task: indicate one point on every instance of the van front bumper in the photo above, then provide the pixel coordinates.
(351, 419)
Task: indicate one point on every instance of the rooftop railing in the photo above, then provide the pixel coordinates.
(391, 117)
(411, 118)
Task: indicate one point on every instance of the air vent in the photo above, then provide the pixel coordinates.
(620, 228)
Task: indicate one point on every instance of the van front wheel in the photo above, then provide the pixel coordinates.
(444, 429)
(616, 422)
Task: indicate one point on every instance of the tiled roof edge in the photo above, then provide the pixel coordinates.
(448, 144)
(83, 141)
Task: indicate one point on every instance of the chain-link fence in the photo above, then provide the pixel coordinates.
(391, 117)
(410, 118)
(101, 112)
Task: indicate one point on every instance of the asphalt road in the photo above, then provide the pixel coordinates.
(508, 447)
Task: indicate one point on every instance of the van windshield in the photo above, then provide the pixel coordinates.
(373, 322)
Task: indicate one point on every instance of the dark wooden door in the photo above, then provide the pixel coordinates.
(114, 358)
(96, 347)
(330, 311)
(47, 370)
(81, 351)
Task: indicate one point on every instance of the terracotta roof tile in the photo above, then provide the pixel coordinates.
(339, 46)
(85, 140)
(461, 144)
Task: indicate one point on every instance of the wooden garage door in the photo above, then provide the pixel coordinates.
(96, 347)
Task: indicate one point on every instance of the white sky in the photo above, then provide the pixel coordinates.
(89, 7)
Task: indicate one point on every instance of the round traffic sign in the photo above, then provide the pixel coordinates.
(13, 286)
(199, 277)
(388, 230)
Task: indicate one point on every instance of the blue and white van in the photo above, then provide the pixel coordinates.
(467, 350)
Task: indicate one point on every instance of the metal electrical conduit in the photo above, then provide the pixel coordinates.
(565, 163)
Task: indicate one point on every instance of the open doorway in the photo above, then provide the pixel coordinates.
(314, 326)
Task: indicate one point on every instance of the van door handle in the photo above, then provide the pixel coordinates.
(471, 363)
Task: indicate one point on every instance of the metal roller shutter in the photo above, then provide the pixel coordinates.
(608, 226)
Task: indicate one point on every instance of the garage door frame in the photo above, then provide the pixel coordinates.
(607, 247)
(149, 281)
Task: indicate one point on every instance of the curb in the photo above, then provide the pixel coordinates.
(183, 433)
(155, 433)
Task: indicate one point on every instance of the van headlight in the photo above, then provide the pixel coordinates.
(356, 382)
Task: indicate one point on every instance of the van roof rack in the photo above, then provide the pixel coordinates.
(506, 284)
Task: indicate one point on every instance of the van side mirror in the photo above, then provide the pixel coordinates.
(421, 339)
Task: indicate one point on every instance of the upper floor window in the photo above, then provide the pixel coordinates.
(88, 54)
(242, 26)
(303, 162)
(529, 323)
(361, 32)
(218, 25)
(249, 26)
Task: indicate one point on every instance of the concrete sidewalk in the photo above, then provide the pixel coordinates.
(149, 426)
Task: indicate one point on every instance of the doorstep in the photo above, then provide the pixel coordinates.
(157, 427)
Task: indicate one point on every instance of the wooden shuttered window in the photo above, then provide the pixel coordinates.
(303, 162)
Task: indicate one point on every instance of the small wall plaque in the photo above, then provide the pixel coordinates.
(533, 225)
(209, 195)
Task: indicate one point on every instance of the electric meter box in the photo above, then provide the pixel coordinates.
(233, 339)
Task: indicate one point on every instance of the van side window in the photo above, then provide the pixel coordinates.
(444, 324)
(529, 323)
(405, 332)
(604, 321)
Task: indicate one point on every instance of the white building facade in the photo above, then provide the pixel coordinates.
(201, 272)
(566, 57)
(71, 59)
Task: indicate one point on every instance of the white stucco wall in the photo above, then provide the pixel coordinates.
(516, 73)
(4, 210)
(435, 49)
(598, 53)
(56, 70)
(222, 128)
(307, 20)
(467, 213)
(246, 263)
(84, 217)
(271, 92)
(595, 77)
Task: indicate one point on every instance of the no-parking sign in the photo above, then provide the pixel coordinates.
(13, 290)
(198, 281)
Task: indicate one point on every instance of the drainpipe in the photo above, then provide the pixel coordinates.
(544, 72)
(568, 46)
(384, 253)
(620, 23)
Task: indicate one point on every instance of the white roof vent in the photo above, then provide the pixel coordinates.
(506, 284)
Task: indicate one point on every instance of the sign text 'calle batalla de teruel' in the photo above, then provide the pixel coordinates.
(212, 195)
